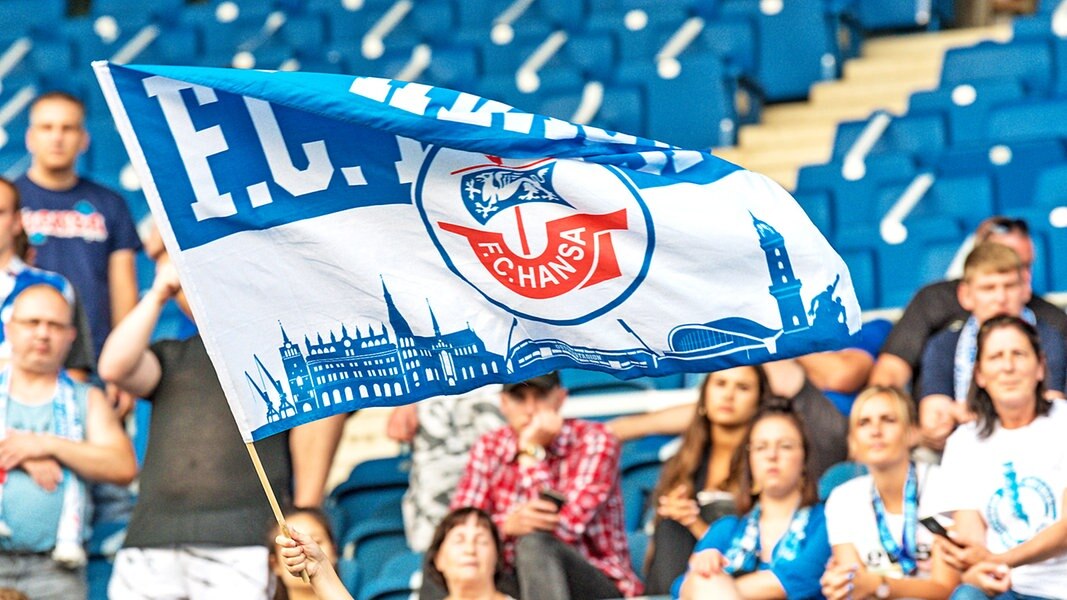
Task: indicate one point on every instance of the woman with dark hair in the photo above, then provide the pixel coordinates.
(466, 556)
(1006, 473)
(778, 548)
(699, 483)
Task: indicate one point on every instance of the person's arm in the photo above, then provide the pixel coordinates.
(403, 423)
(1050, 542)
(666, 421)
(890, 371)
(844, 371)
(312, 446)
(122, 283)
(105, 455)
(126, 360)
(786, 377)
(761, 585)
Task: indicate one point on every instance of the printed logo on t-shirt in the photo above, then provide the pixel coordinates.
(1020, 508)
(83, 221)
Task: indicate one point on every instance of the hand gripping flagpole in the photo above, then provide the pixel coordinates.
(272, 498)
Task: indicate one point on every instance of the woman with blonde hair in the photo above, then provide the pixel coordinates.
(880, 550)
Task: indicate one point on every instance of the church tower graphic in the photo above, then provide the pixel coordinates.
(785, 287)
(302, 391)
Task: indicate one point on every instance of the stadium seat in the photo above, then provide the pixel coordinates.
(371, 484)
(921, 136)
(838, 474)
(1028, 121)
(638, 542)
(622, 109)
(1013, 167)
(966, 106)
(966, 198)
(795, 46)
(453, 67)
(1028, 62)
(818, 208)
(854, 201)
(863, 267)
(400, 577)
(367, 547)
(637, 485)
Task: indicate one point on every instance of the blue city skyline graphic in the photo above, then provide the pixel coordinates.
(388, 364)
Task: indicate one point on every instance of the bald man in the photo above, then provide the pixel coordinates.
(59, 433)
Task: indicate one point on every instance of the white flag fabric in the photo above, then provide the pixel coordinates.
(353, 241)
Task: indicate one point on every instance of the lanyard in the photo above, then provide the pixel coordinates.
(743, 555)
(903, 553)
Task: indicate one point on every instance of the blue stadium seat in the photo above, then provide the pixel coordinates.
(623, 109)
(23, 17)
(694, 110)
(966, 198)
(372, 483)
(888, 15)
(367, 547)
(123, 10)
(921, 136)
(1032, 27)
(1015, 172)
(637, 485)
(593, 53)
(795, 46)
(304, 33)
(919, 260)
(838, 474)
(638, 542)
(453, 67)
(436, 20)
(863, 267)
(1028, 121)
(965, 107)
(1028, 62)
(855, 202)
(818, 208)
(399, 578)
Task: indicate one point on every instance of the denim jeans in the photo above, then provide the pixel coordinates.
(970, 592)
(40, 578)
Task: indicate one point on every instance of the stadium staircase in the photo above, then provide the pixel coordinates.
(886, 73)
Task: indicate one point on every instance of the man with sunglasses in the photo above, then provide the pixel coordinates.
(936, 306)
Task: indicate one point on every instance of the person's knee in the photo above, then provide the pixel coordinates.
(535, 547)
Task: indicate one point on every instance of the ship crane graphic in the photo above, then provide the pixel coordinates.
(284, 408)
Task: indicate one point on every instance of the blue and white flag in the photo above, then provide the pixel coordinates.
(353, 241)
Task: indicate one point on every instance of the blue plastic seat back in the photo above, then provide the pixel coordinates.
(838, 474)
(966, 106)
(1028, 121)
(637, 486)
(1029, 62)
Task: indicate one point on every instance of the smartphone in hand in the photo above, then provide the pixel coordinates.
(554, 497)
(937, 528)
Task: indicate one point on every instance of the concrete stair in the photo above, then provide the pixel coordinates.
(888, 70)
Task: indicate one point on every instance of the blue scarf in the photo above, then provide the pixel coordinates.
(744, 551)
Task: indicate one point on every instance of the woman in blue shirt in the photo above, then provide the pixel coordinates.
(778, 548)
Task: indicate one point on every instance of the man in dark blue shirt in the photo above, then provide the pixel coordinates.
(78, 228)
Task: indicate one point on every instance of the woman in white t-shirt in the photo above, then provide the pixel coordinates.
(1006, 473)
(879, 548)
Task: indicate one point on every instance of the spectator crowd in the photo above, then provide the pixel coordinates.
(956, 419)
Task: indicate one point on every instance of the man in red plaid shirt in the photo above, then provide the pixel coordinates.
(577, 549)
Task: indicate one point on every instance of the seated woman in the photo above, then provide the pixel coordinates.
(312, 523)
(879, 548)
(1006, 473)
(698, 484)
(779, 547)
(465, 556)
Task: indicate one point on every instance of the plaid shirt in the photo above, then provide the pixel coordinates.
(583, 464)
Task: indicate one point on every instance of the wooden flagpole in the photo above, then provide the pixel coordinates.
(267, 489)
